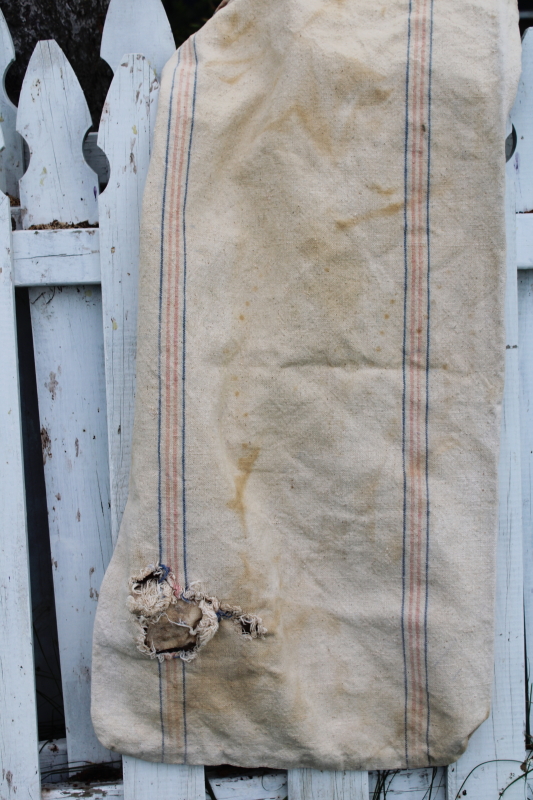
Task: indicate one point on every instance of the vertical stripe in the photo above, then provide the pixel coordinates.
(159, 373)
(415, 378)
(160, 321)
(184, 330)
(173, 314)
(404, 380)
(170, 522)
(172, 373)
(428, 239)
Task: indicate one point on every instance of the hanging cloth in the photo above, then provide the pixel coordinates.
(305, 571)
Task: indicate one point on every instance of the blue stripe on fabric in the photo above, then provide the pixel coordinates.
(404, 374)
(161, 273)
(184, 331)
(161, 713)
(428, 234)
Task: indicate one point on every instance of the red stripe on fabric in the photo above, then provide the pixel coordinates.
(171, 434)
(173, 314)
(422, 255)
(174, 300)
(169, 557)
(416, 261)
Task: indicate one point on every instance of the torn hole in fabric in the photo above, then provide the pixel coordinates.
(177, 623)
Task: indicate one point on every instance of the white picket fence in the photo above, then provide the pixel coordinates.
(83, 284)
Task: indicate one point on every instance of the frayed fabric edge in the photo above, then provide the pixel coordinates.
(154, 590)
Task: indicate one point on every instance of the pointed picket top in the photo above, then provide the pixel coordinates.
(12, 159)
(137, 26)
(53, 117)
(125, 136)
(522, 119)
(128, 116)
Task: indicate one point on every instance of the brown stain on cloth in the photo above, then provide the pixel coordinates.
(245, 465)
(385, 211)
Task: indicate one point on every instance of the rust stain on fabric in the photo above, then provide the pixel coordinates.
(384, 211)
(375, 187)
(233, 27)
(245, 464)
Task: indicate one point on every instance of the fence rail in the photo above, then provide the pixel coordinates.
(81, 276)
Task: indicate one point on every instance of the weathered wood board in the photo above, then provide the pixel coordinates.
(68, 343)
(164, 781)
(56, 257)
(12, 155)
(19, 759)
(522, 117)
(125, 136)
(314, 784)
(137, 26)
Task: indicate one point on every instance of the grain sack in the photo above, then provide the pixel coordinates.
(305, 571)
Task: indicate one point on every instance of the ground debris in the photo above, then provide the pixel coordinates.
(56, 225)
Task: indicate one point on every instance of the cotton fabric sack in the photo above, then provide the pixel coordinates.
(305, 571)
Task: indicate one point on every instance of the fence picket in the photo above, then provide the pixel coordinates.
(18, 712)
(125, 136)
(314, 784)
(67, 330)
(12, 156)
(500, 740)
(416, 784)
(137, 26)
(163, 781)
(53, 117)
(525, 350)
(523, 122)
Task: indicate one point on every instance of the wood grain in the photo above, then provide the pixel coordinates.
(53, 117)
(314, 784)
(137, 26)
(56, 257)
(125, 136)
(11, 157)
(19, 775)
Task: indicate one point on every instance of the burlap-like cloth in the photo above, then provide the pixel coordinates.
(305, 570)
